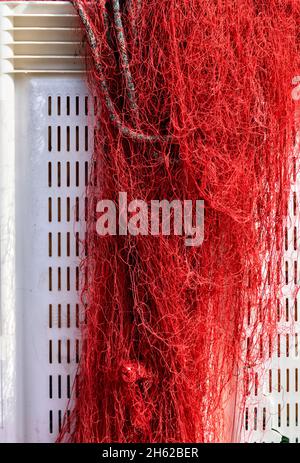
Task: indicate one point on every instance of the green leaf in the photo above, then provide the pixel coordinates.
(284, 440)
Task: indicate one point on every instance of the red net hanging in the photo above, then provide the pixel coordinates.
(196, 103)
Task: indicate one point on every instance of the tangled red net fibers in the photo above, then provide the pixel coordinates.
(196, 103)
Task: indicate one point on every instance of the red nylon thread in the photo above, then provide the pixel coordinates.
(195, 104)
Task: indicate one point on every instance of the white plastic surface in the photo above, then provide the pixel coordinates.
(52, 153)
(58, 172)
(40, 37)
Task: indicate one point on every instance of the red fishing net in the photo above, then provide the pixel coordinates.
(195, 99)
(196, 103)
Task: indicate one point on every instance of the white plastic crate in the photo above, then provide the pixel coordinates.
(44, 169)
(45, 150)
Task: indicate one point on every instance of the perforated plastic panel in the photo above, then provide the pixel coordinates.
(53, 175)
(273, 403)
(52, 152)
(56, 173)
